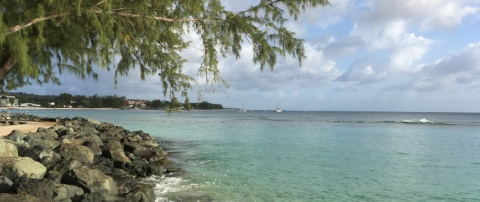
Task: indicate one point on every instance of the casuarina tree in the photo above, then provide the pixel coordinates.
(40, 39)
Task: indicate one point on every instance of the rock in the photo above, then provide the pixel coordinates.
(139, 150)
(38, 152)
(93, 121)
(141, 193)
(35, 187)
(143, 169)
(16, 135)
(57, 172)
(78, 152)
(22, 198)
(49, 134)
(90, 180)
(101, 197)
(126, 184)
(34, 140)
(64, 192)
(94, 147)
(5, 185)
(7, 149)
(114, 150)
(15, 167)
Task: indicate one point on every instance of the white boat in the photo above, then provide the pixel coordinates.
(277, 108)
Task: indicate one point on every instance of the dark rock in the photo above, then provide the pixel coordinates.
(126, 184)
(90, 180)
(22, 198)
(35, 187)
(78, 152)
(94, 147)
(16, 136)
(48, 134)
(5, 185)
(37, 152)
(113, 149)
(101, 197)
(57, 172)
(47, 188)
(34, 140)
(139, 150)
(142, 193)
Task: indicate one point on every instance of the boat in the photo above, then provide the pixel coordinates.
(278, 109)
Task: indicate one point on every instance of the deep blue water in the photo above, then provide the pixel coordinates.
(311, 156)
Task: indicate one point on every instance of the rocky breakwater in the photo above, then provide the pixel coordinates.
(79, 160)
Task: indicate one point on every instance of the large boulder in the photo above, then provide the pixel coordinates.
(34, 140)
(78, 152)
(93, 121)
(16, 167)
(22, 198)
(114, 150)
(48, 189)
(141, 193)
(57, 172)
(7, 149)
(90, 180)
(16, 135)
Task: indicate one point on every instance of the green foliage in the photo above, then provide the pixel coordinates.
(40, 39)
(95, 101)
(206, 105)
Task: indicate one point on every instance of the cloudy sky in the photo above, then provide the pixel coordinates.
(362, 55)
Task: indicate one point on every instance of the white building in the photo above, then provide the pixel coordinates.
(8, 101)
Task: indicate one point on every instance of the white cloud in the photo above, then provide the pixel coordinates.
(425, 14)
(462, 64)
(328, 15)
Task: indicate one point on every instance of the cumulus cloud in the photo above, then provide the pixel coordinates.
(425, 14)
(463, 64)
(243, 74)
(326, 16)
(338, 48)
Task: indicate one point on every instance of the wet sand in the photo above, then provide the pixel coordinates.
(30, 126)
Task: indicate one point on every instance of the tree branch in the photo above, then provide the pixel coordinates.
(157, 17)
(34, 21)
(6, 66)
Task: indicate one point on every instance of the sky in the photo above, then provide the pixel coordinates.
(361, 55)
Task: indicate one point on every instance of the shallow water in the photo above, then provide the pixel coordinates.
(311, 156)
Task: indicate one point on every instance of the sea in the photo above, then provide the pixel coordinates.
(309, 156)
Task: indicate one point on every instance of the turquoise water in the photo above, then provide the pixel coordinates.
(311, 156)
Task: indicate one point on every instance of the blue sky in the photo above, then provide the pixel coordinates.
(362, 55)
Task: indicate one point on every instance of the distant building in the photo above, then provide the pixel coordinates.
(29, 105)
(135, 103)
(6, 101)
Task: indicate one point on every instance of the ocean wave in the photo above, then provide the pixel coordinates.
(165, 185)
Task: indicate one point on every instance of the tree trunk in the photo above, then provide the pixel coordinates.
(6, 66)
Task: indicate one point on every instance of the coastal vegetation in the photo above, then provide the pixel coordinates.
(66, 100)
(39, 40)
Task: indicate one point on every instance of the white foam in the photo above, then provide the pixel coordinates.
(165, 185)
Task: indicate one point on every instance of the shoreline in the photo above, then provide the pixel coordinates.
(28, 127)
(46, 108)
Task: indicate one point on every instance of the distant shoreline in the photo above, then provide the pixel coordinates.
(45, 108)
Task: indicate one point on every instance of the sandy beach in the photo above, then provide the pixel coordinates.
(30, 126)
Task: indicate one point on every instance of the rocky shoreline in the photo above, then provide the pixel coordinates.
(79, 160)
